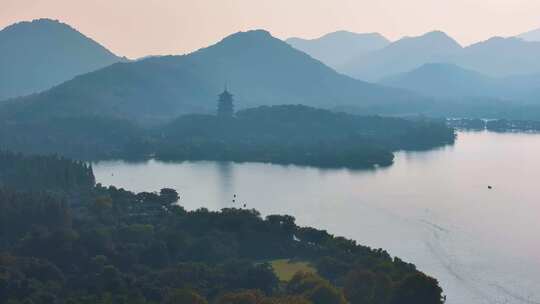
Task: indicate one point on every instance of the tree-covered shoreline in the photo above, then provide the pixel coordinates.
(289, 134)
(95, 244)
(298, 135)
(495, 125)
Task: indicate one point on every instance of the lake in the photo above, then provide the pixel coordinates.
(431, 208)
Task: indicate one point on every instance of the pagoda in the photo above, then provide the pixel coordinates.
(225, 107)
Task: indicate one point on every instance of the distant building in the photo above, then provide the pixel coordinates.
(225, 107)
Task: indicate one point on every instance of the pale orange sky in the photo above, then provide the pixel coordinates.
(136, 28)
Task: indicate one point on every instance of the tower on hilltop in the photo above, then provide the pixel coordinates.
(225, 107)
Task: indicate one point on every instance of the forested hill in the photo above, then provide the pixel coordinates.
(79, 137)
(259, 69)
(289, 134)
(37, 55)
(296, 134)
(114, 246)
(38, 173)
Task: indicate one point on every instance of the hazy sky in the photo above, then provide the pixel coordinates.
(136, 28)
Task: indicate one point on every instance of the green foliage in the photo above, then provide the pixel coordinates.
(298, 135)
(256, 297)
(285, 269)
(279, 134)
(243, 297)
(418, 288)
(110, 245)
(80, 137)
(168, 196)
(31, 214)
(160, 88)
(366, 287)
(38, 173)
(315, 289)
(503, 125)
(184, 296)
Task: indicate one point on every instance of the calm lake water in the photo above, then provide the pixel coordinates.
(432, 208)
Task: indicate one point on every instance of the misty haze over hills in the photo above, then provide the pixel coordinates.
(401, 56)
(442, 80)
(37, 55)
(411, 146)
(495, 57)
(449, 81)
(435, 65)
(258, 68)
(501, 57)
(337, 48)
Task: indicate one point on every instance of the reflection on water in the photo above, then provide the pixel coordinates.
(225, 179)
(431, 208)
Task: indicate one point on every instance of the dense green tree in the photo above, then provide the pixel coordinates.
(108, 245)
(315, 289)
(366, 287)
(418, 288)
(242, 297)
(184, 296)
(36, 173)
(168, 196)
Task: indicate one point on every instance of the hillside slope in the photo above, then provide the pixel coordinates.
(402, 56)
(258, 68)
(449, 81)
(337, 48)
(37, 55)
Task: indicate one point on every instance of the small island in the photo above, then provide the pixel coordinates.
(295, 134)
(284, 134)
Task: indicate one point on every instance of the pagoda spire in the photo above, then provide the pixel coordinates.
(225, 106)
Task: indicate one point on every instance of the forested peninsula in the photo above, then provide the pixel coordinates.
(66, 239)
(288, 134)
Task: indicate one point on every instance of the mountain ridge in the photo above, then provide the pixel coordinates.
(402, 55)
(450, 81)
(259, 69)
(441, 80)
(336, 48)
(532, 35)
(501, 57)
(37, 55)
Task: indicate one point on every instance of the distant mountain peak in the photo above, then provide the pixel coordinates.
(348, 34)
(503, 43)
(252, 34)
(46, 21)
(497, 39)
(38, 24)
(34, 21)
(245, 42)
(437, 39)
(437, 33)
(242, 39)
(53, 53)
(261, 69)
(403, 55)
(336, 48)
